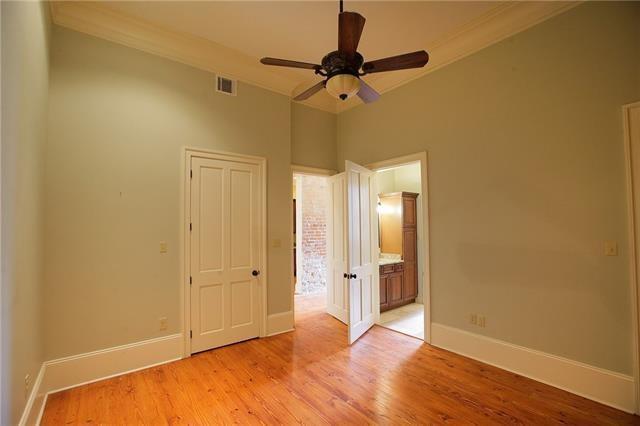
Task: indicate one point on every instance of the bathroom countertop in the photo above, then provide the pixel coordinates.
(389, 259)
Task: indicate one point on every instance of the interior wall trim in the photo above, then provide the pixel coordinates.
(297, 169)
(35, 402)
(280, 323)
(76, 370)
(631, 150)
(496, 25)
(68, 372)
(98, 20)
(607, 387)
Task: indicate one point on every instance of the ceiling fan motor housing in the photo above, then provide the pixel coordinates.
(340, 63)
(342, 74)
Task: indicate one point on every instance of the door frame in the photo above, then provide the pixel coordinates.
(422, 158)
(634, 261)
(185, 252)
(297, 169)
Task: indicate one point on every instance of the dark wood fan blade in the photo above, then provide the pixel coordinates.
(401, 62)
(310, 91)
(287, 63)
(350, 25)
(367, 93)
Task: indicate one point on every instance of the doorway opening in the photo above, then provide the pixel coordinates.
(310, 214)
(400, 242)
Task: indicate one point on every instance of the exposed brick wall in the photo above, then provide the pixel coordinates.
(313, 277)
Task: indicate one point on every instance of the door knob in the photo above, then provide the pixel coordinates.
(255, 273)
(345, 275)
(353, 276)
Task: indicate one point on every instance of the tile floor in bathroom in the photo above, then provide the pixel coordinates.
(407, 319)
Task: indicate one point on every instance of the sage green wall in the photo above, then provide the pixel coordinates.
(118, 121)
(386, 181)
(313, 137)
(25, 76)
(526, 181)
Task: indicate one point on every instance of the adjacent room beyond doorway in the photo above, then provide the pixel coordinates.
(400, 240)
(310, 239)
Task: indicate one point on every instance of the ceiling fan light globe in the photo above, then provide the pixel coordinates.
(343, 86)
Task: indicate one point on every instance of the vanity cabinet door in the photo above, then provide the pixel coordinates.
(384, 294)
(394, 288)
(410, 290)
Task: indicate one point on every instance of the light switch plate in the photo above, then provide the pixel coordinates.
(163, 246)
(610, 248)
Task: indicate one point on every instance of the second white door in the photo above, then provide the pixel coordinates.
(225, 240)
(352, 252)
(362, 249)
(337, 288)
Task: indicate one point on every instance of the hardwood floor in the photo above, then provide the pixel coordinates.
(311, 376)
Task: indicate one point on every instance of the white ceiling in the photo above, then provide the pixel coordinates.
(307, 30)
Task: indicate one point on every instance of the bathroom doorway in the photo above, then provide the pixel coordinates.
(400, 242)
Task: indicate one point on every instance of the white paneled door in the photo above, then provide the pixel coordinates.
(337, 297)
(225, 238)
(362, 249)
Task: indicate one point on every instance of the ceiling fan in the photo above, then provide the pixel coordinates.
(344, 67)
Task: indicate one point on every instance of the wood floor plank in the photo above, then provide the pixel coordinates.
(311, 376)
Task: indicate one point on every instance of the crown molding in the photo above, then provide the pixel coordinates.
(95, 19)
(496, 25)
(100, 21)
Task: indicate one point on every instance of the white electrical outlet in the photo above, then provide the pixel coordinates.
(473, 319)
(163, 323)
(482, 321)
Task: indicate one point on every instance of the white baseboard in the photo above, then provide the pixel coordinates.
(81, 369)
(69, 372)
(279, 323)
(608, 387)
(77, 370)
(41, 411)
(604, 386)
(35, 403)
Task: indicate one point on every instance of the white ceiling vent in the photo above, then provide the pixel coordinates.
(226, 85)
